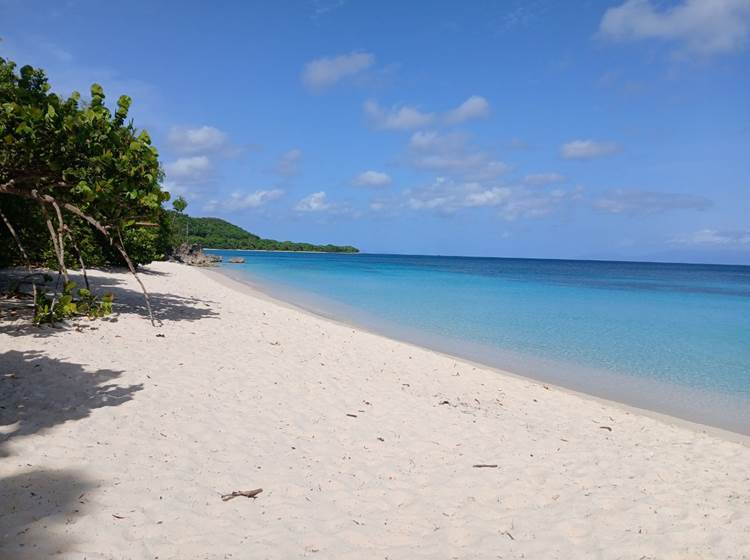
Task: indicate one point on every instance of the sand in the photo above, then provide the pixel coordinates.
(118, 440)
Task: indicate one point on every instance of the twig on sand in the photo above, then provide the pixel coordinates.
(484, 466)
(247, 493)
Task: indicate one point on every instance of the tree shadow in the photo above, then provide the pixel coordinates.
(166, 307)
(38, 512)
(37, 392)
(16, 314)
(39, 508)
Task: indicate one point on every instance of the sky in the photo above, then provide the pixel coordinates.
(522, 128)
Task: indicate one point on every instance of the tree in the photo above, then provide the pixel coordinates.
(77, 163)
(179, 204)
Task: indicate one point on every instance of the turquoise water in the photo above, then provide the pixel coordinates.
(669, 337)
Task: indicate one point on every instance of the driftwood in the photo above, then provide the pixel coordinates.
(246, 493)
(484, 466)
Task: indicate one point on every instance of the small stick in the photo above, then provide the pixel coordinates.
(247, 493)
(484, 466)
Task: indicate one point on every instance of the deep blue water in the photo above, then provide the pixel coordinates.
(674, 338)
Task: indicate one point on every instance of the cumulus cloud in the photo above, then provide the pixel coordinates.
(704, 27)
(451, 154)
(289, 162)
(256, 199)
(543, 178)
(587, 149)
(202, 139)
(634, 201)
(396, 118)
(537, 204)
(244, 200)
(322, 73)
(404, 117)
(715, 238)
(188, 169)
(372, 179)
(434, 141)
(511, 202)
(475, 107)
(315, 202)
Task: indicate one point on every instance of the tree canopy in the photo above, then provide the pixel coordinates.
(78, 153)
(74, 165)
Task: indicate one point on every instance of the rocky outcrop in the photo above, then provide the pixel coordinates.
(193, 255)
(237, 260)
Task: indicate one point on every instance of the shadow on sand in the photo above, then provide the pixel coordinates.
(38, 508)
(127, 301)
(38, 512)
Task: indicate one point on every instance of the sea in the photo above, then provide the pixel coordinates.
(670, 338)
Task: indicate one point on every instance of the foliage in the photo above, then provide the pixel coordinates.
(75, 152)
(220, 234)
(88, 179)
(179, 204)
(70, 304)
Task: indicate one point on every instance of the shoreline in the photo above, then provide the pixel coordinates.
(118, 436)
(256, 289)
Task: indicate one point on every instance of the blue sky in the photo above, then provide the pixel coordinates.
(591, 129)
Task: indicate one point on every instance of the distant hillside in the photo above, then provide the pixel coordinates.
(220, 234)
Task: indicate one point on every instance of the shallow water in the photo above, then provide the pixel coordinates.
(674, 338)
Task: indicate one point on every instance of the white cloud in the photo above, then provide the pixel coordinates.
(510, 202)
(405, 117)
(244, 201)
(587, 149)
(396, 118)
(705, 27)
(315, 202)
(203, 139)
(475, 107)
(451, 154)
(543, 178)
(715, 238)
(536, 204)
(372, 179)
(634, 201)
(325, 72)
(289, 162)
(188, 168)
(435, 141)
(241, 201)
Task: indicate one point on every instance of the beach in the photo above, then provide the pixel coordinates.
(118, 440)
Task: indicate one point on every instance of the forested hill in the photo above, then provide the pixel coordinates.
(220, 234)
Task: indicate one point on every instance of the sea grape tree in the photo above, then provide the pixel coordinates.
(79, 162)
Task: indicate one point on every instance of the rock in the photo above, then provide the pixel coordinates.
(193, 255)
(237, 260)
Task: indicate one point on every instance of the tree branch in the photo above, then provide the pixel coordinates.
(10, 188)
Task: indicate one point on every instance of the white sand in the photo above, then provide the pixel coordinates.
(119, 442)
